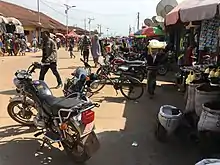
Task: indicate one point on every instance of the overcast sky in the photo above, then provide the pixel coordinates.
(116, 15)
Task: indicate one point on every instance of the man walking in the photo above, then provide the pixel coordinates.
(49, 58)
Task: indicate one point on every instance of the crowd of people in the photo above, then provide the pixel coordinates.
(12, 45)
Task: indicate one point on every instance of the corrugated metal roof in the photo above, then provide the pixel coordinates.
(29, 17)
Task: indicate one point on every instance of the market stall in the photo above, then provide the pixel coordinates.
(202, 77)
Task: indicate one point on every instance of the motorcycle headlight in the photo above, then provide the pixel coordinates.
(17, 83)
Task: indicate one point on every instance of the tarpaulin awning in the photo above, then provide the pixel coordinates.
(192, 10)
(173, 16)
(197, 10)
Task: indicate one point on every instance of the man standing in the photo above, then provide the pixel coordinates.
(49, 58)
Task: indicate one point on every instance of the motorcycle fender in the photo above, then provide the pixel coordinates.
(91, 143)
(20, 98)
(16, 98)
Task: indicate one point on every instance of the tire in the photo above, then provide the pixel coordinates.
(11, 113)
(134, 83)
(103, 79)
(162, 70)
(160, 133)
(83, 157)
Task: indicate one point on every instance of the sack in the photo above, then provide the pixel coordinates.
(210, 117)
(209, 162)
(190, 103)
(205, 93)
(169, 117)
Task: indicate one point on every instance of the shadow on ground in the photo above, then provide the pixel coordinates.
(136, 144)
(8, 92)
(133, 145)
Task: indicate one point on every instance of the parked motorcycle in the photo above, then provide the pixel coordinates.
(165, 64)
(135, 68)
(66, 121)
(82, 81)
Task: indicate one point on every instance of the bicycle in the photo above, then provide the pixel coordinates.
(123, 79)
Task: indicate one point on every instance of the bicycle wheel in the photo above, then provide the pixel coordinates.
(132, 85)
(101, 76)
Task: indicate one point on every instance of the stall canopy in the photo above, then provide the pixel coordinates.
(3, 20)
(192, 10)
(14, 21)
(197, 10)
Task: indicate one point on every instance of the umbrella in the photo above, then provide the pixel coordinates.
(52, 35)
(139, 32)
(140, 36)
(152, 31)
(60, 34)
(72, 34)
(14, 21)
(3, 20)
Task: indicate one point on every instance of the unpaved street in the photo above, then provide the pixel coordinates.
(119, 123)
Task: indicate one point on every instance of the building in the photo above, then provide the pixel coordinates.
(29, 19)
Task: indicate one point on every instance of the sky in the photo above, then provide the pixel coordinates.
(116, 15)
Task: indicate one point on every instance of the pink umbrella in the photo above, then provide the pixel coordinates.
(72, 34)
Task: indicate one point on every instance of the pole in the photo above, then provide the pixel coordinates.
(129, 32)
(66, 12)
(85, 23)
(100, 29)
(107, 32)
(90, 19)
(138, 19)
(39, 22)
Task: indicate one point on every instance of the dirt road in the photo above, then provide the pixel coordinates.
(119, 124)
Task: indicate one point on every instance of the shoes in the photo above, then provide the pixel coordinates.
(59, 86)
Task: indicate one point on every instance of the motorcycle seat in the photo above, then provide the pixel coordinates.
(54, 104)
(138, 62)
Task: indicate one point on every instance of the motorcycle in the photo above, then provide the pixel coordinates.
(165, 64)
(66, 121)
(114, 65)
(83, 81)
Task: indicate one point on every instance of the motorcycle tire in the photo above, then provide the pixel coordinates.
(134, 83)
(11, 113)
(162, 70)
(78, 158)
(160, 133)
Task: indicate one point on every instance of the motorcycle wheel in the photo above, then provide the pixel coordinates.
(75, 148)
(20, 118)
(76, 155)
(162, 70)
(160, 132)
(133, 83)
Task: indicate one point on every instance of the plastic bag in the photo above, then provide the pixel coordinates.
(209, 162)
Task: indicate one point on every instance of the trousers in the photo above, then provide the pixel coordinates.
(53, 67)
(151, 81)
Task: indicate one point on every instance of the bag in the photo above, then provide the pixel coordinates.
(205, 93)
(169, 117)
(209, 162)
(190, 103)
(210, 117)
